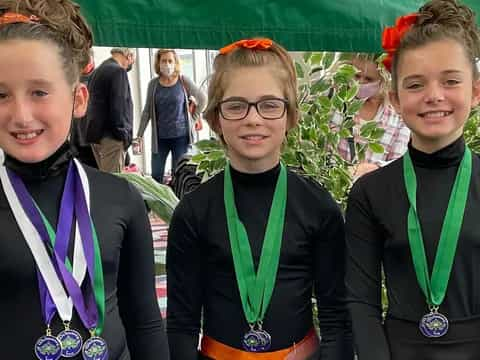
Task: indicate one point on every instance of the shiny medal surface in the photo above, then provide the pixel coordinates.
(48, 348)
(252, 340)
(434, 324)
(95, 348)
(71, 342)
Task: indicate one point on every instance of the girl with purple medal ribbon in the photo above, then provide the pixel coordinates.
(94, 348)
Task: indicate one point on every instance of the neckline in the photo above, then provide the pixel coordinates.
(449, 156)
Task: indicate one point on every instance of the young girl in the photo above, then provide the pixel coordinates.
(76, 259)
(418, 217)
(247, 248)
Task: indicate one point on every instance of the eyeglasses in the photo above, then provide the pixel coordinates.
(270, 109)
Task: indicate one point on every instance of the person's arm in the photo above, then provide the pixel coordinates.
(184, 283)
(137, 300)
(329, 259)
(363, 276)
(146, 113)
(198, 94)
(120, 106)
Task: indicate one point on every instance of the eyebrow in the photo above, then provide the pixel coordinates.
(264, 97)
(418, 76)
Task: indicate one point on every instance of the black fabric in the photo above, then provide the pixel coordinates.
(377, 234)
(110, 108)
(185, 178)
(201, 274)
(133, 325)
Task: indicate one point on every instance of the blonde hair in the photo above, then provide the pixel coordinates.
(385, 79)
(158, 57)
(61, 23)
(440, 20)
(276, 56)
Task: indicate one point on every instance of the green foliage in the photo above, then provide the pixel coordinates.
(160, 198)
(472, 131)
(326, 86)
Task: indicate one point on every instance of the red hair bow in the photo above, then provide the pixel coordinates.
(13, 18)
(260, 44)
(392, 36)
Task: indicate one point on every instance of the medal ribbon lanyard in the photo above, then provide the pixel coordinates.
(435, 288)
(256, 289)
(35, 231)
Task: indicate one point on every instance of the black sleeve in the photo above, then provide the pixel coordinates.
(363, 277)
(184, 284)
(137, 299)
(333, 316)
(120, 110)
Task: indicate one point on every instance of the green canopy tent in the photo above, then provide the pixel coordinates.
(302, 25)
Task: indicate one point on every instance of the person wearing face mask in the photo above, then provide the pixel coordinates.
(110, 110)
(167, 105)
(373, 86)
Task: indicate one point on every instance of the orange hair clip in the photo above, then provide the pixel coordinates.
(258, 44)
(14, 18)
(392, 36)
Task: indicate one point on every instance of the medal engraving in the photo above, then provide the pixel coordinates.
(434, 325)
(71, 343)
(95, 348)
(48, 348)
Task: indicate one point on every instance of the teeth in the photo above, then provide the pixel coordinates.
(254, 137)
(437, 114)
(26, 136)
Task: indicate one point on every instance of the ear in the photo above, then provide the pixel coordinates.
(81, 100)
(393, 97)
(476, 93)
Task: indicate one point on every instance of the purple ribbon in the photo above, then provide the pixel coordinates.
(73, 187)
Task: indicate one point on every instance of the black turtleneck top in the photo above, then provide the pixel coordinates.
(377, 235)
(133, 324)
(201, 273)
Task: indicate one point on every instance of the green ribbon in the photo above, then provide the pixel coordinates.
(435, 288)
(256, 288)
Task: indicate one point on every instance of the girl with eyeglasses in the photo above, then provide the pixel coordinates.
(248, 248)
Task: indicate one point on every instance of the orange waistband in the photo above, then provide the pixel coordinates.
(218, 351)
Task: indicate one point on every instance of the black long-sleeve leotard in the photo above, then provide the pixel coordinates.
(201, 273)
(133, 324)
(377, 234)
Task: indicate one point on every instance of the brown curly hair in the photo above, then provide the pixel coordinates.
(439, 20)
(276, 56)
(60, 23)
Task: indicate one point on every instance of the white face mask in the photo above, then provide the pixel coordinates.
(167, 69)
(368, 90)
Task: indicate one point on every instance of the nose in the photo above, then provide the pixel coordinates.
(434, 93)
(253, 117)
(20, 114)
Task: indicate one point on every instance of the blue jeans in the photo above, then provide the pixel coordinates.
(178, 146)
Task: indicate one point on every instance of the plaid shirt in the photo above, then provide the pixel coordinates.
(394, 140)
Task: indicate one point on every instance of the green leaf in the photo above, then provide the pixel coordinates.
(208, 145)
(198, 158)
(368, 128)
(347, 70)
(377, 133)
(376, 148)
(354, 107)
(328, 59)
(352, 92)
(345, 133)
(215, 155)
(337, 103)
(325, 102)
(319, 87)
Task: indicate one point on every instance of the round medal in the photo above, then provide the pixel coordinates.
(434, 325)
(253, 341)
(48, 348)
(95, 348)
(71, 342)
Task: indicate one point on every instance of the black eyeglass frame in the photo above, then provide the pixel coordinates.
(254, 104)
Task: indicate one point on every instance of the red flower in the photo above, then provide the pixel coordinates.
(261, 44)
(392, 36)
(13, 18)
